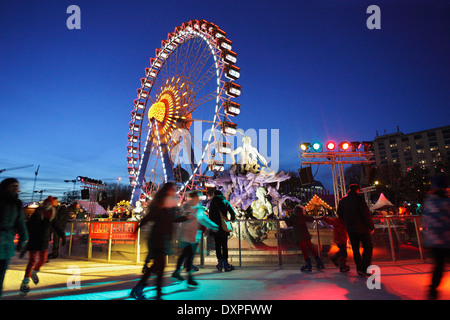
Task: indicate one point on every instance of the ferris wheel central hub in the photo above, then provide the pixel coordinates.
(157, 111)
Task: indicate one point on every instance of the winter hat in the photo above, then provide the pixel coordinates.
(49, 199)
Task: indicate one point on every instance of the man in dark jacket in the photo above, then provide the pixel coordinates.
(218, 213)
(354, 211)
(12, 221)
(62, 215)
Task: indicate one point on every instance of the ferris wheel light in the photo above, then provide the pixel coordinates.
(233, 89)
(232, 108)
(232, 72)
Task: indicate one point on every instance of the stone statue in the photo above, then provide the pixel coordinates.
(249, 156)
(261, 208)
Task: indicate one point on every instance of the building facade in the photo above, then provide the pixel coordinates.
(428, 149)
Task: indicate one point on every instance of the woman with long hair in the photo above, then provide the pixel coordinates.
(163, 211)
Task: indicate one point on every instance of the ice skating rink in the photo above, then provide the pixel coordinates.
(108, 281)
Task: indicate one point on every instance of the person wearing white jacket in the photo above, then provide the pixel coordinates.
(190, 234)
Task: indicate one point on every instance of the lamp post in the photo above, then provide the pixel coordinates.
(117, 188)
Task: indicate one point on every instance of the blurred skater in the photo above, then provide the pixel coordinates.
(163, 211)
(12, 221)
(359, 224)
(62, 215)
(39, 228)
(340, 238)
(190, 234)
(437, 225)
(297, 220)
(218, 213)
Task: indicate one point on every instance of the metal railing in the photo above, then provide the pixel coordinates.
(252, 242)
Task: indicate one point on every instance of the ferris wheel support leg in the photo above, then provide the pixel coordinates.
(141, 174)
(167, 163)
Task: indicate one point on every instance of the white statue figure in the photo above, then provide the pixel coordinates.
(137, 212)
(261, 207)
(249, 155)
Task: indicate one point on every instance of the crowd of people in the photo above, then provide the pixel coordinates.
(353, 222)
(164, 211)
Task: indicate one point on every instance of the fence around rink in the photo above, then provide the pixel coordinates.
(253, 242)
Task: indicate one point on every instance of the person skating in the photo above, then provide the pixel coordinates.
(39, 229)
(163, 211)
(297, 220)
(359, 224)
(218, 213)
(12, 222)
(61, 218)
(340, 238)
(437, 229)
(190, 234)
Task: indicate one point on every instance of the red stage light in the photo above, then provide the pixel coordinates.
(344, 146)
(331, 145)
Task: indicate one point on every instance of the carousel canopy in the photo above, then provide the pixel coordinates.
(382, 204)
(315, 203)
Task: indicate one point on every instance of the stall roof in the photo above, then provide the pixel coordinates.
(99, 210)
(382, 204)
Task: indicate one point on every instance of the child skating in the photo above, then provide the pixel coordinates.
(340, 238)
(297, 220)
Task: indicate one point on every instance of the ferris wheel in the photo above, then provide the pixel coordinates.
(182, 119)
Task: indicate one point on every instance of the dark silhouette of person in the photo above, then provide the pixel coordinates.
(12, 221)
(218, 213)
(437, 229)
(359, 224)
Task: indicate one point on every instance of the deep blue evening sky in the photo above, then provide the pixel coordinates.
(309, 68)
